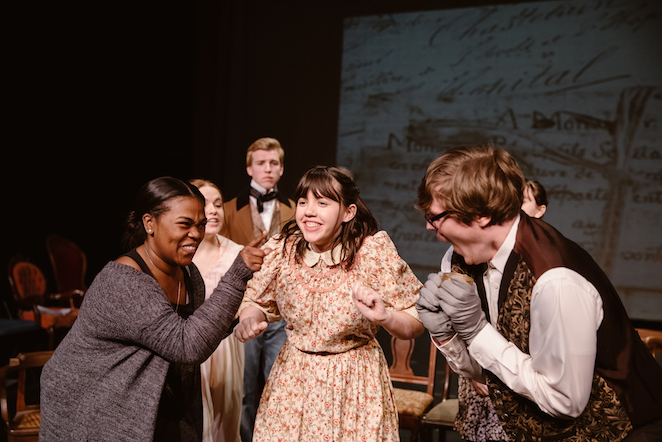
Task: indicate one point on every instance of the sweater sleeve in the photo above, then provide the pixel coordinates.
(129, 305)
(262, 289)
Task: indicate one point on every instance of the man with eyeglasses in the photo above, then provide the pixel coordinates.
(521, 306)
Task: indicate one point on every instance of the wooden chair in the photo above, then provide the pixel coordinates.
(410, 402)
(69, 264)
(23, 420)
(442, 416)
(413, 365)
(34, 303)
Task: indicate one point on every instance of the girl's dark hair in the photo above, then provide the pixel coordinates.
(153, 198)
(337, 184)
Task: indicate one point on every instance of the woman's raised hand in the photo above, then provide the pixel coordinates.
(253, 255)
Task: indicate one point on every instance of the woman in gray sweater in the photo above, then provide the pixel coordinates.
(128, 370)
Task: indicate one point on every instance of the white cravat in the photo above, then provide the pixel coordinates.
(492, 281)
(494, 273)
(269, 206)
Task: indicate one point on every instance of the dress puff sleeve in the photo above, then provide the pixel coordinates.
(261, 290)
(388, 274)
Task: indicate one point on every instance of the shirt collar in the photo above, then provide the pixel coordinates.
(330, 257)
(502, 255)
(259, 188)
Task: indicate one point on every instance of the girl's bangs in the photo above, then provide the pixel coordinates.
(322, 185)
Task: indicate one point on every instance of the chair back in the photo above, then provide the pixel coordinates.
(412, 372)
(27, 282)
(401, 370)
(27, 361)
(34, 303)
(22, 423)
(69, 263)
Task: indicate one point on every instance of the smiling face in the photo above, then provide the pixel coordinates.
(177, 232)
(213, 210)
(468, 240)
(320, 219)
(266, 168)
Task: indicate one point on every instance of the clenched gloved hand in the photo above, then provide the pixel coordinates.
(460, 300)
(430, 312)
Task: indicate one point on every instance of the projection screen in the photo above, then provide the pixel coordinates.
(571, 88)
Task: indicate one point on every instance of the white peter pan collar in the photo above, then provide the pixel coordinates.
(330, 257)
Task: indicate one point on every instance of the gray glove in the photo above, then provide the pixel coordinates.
(461, 302)
(430, 312)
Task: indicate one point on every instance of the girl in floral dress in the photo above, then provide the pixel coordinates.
(335, 279)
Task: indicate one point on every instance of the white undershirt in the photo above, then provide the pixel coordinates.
(566, 312)
(267, 207)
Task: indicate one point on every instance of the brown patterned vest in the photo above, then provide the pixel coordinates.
(627, 384)
(258, 224)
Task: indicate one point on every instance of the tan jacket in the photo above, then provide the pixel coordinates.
(238, 224)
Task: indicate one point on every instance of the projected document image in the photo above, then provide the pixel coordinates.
(572, 89)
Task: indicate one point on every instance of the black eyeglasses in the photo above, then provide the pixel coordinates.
(431, 220)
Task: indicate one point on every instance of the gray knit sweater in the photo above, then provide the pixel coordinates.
(104, 381)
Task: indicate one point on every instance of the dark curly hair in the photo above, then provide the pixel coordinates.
(153, 198)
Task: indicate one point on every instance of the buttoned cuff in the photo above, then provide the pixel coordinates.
(487, 343)
(459, 359)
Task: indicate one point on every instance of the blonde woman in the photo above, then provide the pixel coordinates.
(222, 374)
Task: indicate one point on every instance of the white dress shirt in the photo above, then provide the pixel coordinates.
(267, 207)
(566, 312)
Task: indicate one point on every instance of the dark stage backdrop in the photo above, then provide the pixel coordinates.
(100, 100)
(104, 98)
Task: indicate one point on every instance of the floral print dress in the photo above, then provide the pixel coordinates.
(476, 419)
(330, 381)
